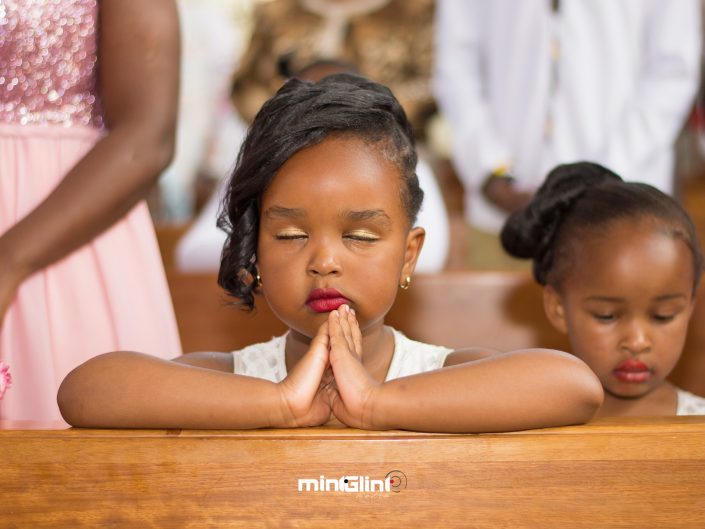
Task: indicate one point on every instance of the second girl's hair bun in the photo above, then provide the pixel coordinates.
(530, 232)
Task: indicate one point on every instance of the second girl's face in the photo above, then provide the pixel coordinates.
(333, 230)
(625, 305)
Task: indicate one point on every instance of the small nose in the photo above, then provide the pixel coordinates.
(637, 338)
(324, 259)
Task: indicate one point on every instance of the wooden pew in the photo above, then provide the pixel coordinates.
(627, 473)
(499, 310)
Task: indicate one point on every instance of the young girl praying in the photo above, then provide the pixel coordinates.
(320, 214)
(620, 263)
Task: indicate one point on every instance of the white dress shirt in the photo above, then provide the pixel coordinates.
(609, 81)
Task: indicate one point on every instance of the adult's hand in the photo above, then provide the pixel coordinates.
(503, 193)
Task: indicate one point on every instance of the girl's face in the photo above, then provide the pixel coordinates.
(625, 305)
(333, 230)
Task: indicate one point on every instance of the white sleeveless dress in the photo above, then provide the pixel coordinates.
(689, 404)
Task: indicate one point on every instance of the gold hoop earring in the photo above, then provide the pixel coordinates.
(258, 280)
(407, 282)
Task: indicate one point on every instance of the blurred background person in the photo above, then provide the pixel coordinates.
(214, 34)
(525, 85)
(389, 41)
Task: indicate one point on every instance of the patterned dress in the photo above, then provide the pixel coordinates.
(689, 404)
(389, 41)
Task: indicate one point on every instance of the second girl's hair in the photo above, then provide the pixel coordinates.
(585, 198)
(302, 114)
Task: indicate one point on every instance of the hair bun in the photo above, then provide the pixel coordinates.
(529, 233)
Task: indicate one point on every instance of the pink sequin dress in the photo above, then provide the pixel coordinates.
(112, 293)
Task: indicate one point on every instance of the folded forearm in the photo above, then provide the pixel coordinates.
(118, 390)
(513, 391)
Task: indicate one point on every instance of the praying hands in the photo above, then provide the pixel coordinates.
(330, 384)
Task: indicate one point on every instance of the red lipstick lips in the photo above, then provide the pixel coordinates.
(325, 300)
(632, 370)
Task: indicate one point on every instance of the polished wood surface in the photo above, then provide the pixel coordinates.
(627, 473)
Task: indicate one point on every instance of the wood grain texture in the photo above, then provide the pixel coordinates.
(631, 473)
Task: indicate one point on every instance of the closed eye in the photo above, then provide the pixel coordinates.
(291, 235)
(361, 236)
(604, 317)
(663, 318)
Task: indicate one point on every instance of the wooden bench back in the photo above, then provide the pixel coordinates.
(631, 473)
(456, 309)
(498, 310)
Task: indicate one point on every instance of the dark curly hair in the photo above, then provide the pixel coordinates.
(581, 198)
(302, 114)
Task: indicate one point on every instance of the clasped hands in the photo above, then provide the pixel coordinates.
(329, 381)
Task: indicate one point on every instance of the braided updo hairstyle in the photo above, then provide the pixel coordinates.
(302, 114)
(580, 199)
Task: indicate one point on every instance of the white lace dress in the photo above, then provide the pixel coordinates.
(689, 404)
(266, 360)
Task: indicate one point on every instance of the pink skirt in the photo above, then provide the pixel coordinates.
(110, 294)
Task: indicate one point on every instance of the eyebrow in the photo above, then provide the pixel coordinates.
(609, 299)
(355, 215)
(368, 214)
(287, 213)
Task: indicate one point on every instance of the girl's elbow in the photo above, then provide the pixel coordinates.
(69, 399)
(593, 396)
(587, 389)
(580, 390)
(82, 389)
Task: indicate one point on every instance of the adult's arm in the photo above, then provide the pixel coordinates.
(138, 83)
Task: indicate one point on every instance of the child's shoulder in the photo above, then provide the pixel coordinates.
(262, 360)
(407, 344)
(689, 403)
(412, 357)
(217, 361)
